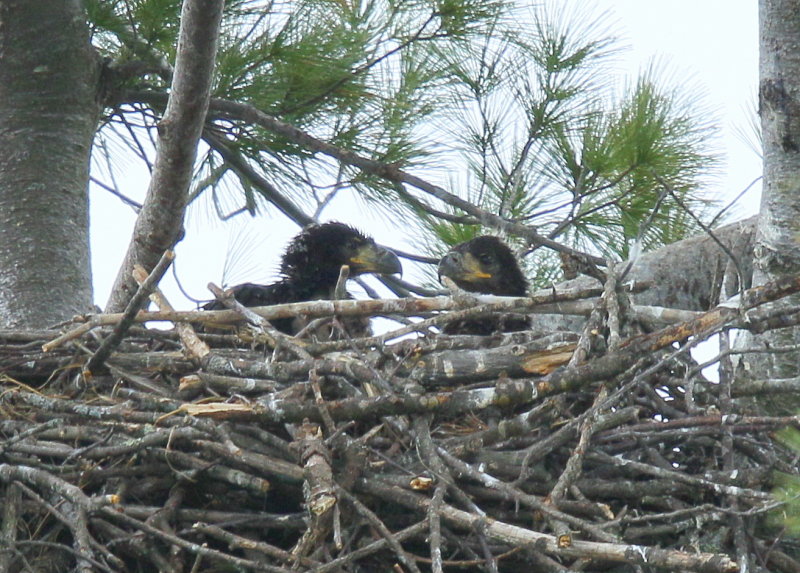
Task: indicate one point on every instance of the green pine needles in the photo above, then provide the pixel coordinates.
(516, 107)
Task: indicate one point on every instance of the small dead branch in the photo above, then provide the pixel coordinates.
(145, 288)
(515, 535)
(195, 348)
(319, 490)
(546, 301)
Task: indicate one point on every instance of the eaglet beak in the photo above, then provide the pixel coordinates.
(375, 259)
(462, 268)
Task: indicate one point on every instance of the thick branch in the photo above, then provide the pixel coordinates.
(160, 221)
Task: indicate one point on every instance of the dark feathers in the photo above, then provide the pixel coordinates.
(310, 268)
(485, 265)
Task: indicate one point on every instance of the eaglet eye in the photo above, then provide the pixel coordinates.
(485, 259)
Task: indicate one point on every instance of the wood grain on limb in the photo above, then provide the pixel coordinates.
(518, 536)
(545, 298)
(270, 411)
(453, 367)
(316, 460)
(11, 521)
(310, 309)
(319, 489)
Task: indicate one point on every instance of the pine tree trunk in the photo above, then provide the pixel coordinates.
(777, 247)
(48, 116)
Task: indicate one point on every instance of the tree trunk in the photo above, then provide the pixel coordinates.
(48, 117)
(688, 275)
(777, 250)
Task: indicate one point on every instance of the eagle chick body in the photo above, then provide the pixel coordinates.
(310, 270)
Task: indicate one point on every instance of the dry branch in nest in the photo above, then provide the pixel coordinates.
(601, 451)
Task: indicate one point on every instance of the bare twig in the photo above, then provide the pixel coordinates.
(128, 317)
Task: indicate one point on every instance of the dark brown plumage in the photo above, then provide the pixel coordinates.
(485, 265)
(310, 268)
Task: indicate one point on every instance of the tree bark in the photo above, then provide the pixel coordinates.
(48, 116)
(689, 275)
(160, 222)
(777, 250)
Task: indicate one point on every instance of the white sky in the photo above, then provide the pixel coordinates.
(710, 44)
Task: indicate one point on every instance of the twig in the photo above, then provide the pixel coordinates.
(194, 548)
(518, 496)
(373, 547)
(545, 301)
(647, 469)
(376, 522)
(113, 340)
(239, 542)
(319, 489)
(276, 339)
(195, 348)
(572, 469)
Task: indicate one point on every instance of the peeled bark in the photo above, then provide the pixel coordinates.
(48, 116)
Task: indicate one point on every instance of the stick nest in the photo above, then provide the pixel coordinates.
(602, 451)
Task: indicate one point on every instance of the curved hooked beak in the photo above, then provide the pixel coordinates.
(462, 268)
(374, 259)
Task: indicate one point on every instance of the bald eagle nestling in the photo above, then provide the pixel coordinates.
(485, 265)
(310, 268)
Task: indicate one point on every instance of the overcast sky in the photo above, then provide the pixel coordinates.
(710, 44)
